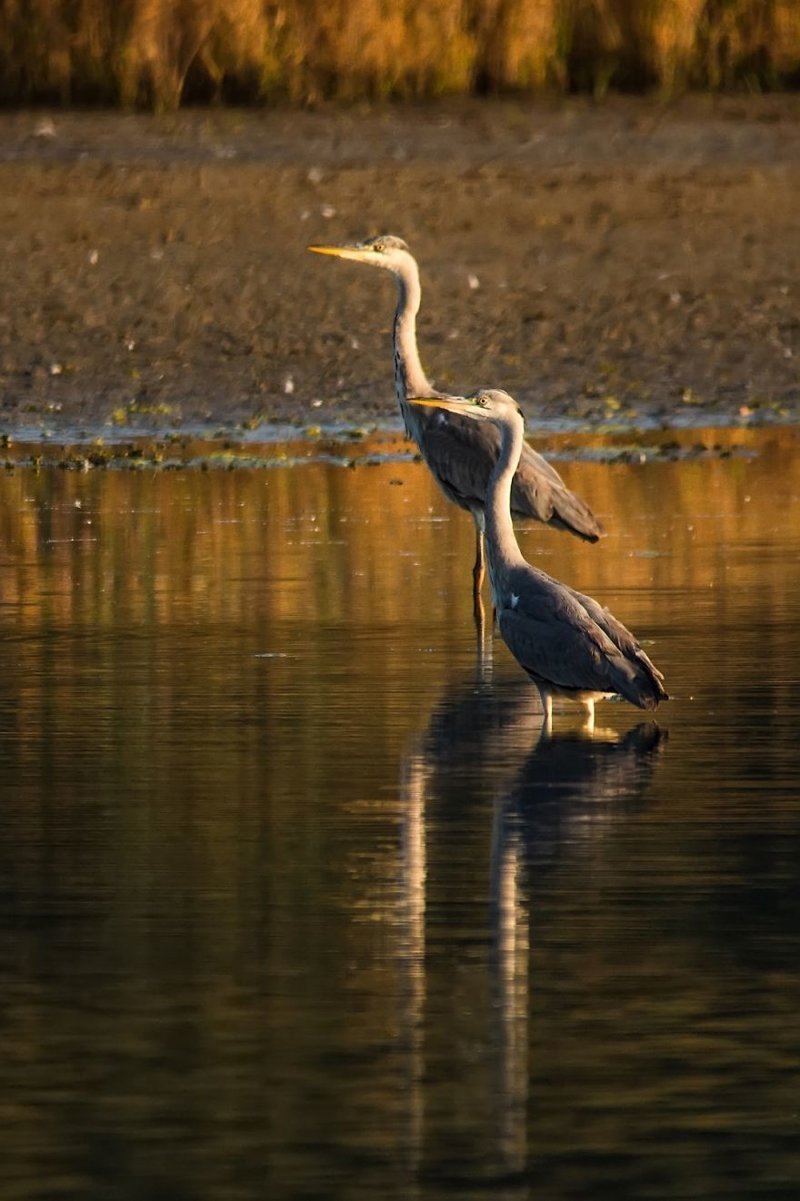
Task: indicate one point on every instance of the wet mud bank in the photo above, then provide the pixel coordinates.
(620, 265)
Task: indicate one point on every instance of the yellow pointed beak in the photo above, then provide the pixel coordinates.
(455, 404)
(341, 252)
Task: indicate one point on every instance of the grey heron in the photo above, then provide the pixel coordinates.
(570, 646)
(459, 452)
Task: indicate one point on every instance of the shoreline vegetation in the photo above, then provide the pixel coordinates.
(159, 54)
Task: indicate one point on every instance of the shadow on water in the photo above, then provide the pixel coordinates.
(294, 903)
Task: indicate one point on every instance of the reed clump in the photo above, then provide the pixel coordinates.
(159, 53)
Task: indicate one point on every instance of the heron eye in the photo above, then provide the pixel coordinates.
(378, 247)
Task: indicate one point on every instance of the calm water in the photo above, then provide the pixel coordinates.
(292, 904)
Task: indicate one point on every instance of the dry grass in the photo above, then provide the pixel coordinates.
(157, 53)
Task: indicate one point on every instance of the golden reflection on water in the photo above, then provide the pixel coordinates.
(296, 844)
(330, 545)
(84, 528)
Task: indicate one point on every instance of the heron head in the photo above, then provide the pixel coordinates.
(487, 404)
(385, 251)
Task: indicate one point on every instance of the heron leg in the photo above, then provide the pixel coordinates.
(547, 706)
(483, 647)
(479, 614)
(478, 573)
(588, 720)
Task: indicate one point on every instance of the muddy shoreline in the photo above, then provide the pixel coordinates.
(617, 265)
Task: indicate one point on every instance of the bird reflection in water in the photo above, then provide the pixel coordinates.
(482, 746)
(447, 766)
(576, 777)
(564, 778)
(460, 454)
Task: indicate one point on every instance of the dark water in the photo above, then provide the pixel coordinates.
(292, 903)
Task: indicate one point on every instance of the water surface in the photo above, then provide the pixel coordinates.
(293, 902)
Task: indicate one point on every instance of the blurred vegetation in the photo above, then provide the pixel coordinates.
(158, 53)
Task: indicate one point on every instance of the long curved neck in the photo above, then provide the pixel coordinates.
(409, 378)
(502, 542)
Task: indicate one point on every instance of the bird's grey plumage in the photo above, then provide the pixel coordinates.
(568, 644)
(460, 453)
(552, 633)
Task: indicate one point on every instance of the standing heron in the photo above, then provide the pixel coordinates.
(460, 453)
(569, 645)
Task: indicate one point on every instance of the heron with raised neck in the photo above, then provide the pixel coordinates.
(461, 453)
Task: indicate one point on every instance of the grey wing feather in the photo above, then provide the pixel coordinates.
(539, 489)
(461, 453)
(567, 639)
(621, 637)
(559, 645)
